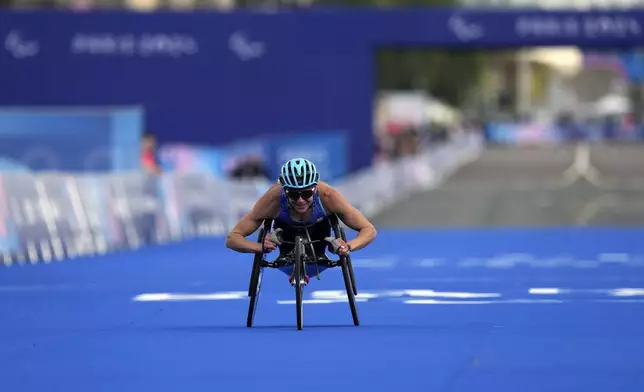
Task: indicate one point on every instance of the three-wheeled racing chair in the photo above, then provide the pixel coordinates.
(297, 261)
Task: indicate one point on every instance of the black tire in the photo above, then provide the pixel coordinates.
(351, 297)
(257, 265)
(254, 298)
(255, 281)
(350, 265)
(347, 283)
(297, 275)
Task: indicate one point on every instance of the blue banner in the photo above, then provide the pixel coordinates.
(70, 140)
(213, 78)
(327, 149)
(633, 62)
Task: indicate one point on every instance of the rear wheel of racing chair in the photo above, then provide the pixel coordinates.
(256, 275)
(299, 271)
(350, 265)
(347, 273)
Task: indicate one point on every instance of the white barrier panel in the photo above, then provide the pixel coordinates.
(384, 184)
(52, 216)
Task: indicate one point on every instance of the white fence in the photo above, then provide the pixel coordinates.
(53, 216)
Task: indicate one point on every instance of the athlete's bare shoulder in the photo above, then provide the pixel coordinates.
(334, 202)
(268, 204)
(329, 196)
(273, 192)
(324, 189)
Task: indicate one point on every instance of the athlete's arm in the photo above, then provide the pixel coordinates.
(265, 208)
(335, 202)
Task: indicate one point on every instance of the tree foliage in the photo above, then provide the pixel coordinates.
(449, 75)
(445, 74)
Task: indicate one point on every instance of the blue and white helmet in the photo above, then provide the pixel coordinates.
(298, 173)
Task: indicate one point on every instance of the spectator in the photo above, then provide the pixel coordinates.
(250, 168)
(149, 158)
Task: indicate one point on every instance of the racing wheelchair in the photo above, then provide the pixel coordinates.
(303, 255)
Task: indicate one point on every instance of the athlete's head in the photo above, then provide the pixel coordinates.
(299, 179)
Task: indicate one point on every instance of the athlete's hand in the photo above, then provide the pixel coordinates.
(269, 245)
(344, 248)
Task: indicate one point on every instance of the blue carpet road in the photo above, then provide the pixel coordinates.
(481, 310)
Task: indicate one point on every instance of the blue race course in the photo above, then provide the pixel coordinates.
(449, 310)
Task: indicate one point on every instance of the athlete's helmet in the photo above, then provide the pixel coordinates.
(298, 173)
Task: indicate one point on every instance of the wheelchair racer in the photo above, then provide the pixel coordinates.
(301, 204)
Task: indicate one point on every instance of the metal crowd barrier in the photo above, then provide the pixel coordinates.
(46, 217)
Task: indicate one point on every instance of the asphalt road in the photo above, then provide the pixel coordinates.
(527, 187)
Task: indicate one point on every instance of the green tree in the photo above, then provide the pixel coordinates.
(449, 75)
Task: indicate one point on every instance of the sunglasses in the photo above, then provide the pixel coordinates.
(305, 195)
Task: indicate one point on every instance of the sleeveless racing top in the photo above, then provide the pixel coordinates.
(318, 213)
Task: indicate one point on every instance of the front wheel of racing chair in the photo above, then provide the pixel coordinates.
(299, 271)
